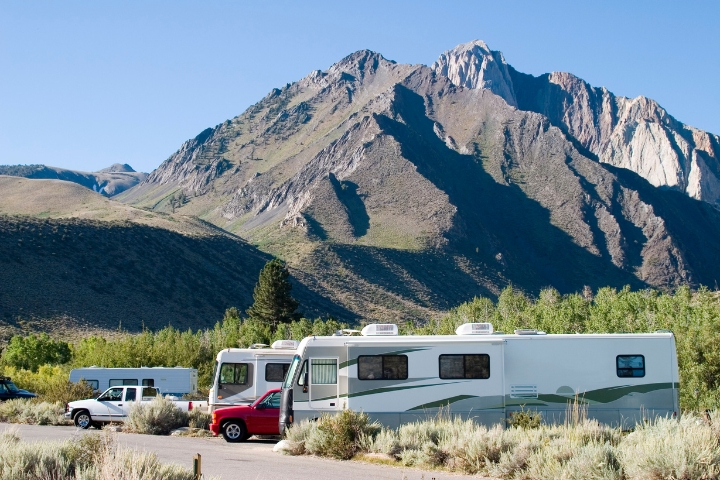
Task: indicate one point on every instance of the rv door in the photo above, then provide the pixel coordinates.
(323, 383)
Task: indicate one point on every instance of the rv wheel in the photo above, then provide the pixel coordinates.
(235, 432)
(83, 420)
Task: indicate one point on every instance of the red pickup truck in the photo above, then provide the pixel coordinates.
(238, 423)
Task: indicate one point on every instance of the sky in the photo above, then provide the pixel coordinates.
(85, 84)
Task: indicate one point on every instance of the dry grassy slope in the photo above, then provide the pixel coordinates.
(398, 195)
(109, 181)
(71, 259)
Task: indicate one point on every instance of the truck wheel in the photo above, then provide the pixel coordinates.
(82, 419)
(235, 432)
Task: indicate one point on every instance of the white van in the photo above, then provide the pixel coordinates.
(242, 375)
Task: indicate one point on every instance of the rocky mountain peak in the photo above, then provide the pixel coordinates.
(117, 168)
(474, 65)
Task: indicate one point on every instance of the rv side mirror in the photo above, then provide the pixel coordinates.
(305, 382)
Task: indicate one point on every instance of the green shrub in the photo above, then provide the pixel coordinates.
(341, 435)
(199, 419)
(525, 419)
(158, 417)
(49, 383)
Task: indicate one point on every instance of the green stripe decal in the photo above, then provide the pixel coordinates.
(353, 361)
(442, 403)
(393, 389)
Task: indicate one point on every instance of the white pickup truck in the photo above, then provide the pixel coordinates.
(113, 405)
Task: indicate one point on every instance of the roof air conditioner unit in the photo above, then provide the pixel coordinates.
(379, 329)
(285, 344)
(474, 329)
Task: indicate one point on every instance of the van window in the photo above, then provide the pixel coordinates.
(630, 366)
(324, 371)
(234, 373)
(126, 381)
(130, 395)
(275, 372)
(382, 367)
(148, 382)
(473, 366)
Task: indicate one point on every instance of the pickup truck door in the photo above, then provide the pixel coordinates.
(265, 421)
(109, 406)
(129, 401)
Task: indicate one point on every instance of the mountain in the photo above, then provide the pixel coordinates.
(109, 181)
(632, 133)
(398, 191)
(71, 259)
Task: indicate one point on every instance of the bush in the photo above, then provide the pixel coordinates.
(524, 419)
(341, 435)
(199, 419)
(89, 457)
(583, 450)
(49, 383)
(158, 417)
(33, 412)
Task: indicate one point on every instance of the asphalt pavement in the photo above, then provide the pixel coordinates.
(253, 460)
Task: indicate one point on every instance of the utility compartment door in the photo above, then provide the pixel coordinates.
(323, 380)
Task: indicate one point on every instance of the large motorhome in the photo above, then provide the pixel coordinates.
(175, 381)
(242, 375)
(478, 374)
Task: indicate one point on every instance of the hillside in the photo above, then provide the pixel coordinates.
(89, 263)
(109, 181)
(402, 190)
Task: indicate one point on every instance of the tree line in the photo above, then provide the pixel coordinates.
(693, 316)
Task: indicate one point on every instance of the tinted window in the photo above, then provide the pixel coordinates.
(324, 371)
(275, 372)
(2, 388)
(148, 382)
(126, 381)
(272, 400)
(234, 373)
(630, 366)
(130, 395)
(112, 395)
(475, 366)
(383, 367)
(149, 392)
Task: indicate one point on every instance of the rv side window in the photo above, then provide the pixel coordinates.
(127, 381)
(93, 383)
(148, 382)
(630, 366)
(234, 373)
(275, 372)
(382, 367)
(465, 366)
(324, 371)
(301, 377)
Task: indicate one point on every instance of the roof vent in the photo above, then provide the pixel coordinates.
(529, 331)
(379, 329)
(285, 344)
(475, 329)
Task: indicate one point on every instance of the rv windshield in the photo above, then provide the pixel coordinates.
(291, 372)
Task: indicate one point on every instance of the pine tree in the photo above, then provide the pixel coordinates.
(273, 303)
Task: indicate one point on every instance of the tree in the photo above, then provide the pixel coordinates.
(33, 351)
(273, 303)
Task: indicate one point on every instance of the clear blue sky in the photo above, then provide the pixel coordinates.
(87, 84)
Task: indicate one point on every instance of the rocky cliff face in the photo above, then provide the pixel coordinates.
(636, 134)
(398, 191)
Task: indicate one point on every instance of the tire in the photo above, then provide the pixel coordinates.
(83, 419)
(235, 431)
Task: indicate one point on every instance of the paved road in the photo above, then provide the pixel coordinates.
(252, 460)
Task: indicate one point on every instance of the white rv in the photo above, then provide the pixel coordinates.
(175, 381)
(243, 374)
(476, 374)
